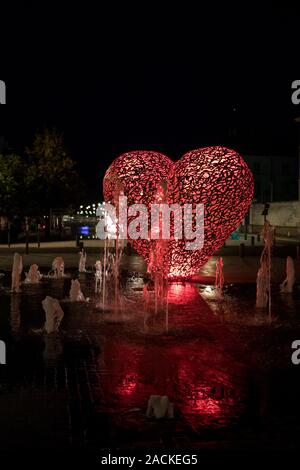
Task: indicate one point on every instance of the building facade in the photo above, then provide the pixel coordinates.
(275, 177)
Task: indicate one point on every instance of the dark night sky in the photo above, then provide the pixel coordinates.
(145, 77)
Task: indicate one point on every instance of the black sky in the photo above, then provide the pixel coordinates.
(141, 76)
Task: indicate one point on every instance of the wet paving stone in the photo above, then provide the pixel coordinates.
(88, 386)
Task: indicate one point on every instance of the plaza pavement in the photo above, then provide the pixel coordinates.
(237, 268)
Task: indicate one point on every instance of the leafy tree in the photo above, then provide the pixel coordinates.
(51, 178)
(12, 186)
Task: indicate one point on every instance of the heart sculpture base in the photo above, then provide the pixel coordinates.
(217, 177)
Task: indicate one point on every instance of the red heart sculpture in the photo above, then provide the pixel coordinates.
(215, 176)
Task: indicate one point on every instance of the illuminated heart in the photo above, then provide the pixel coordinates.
(215, 176)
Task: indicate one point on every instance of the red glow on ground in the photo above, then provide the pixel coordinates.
(128, 384)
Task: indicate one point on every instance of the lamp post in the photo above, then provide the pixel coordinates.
(27, 234)
(298, 121)
(8, 234)
(266, 211)
(38, 235)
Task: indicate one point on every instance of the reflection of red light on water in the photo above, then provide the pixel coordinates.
(207, 406)
(177, 289)
(183, 293)
(190, 371)
(201, 402)
(202, 394)
(128, 385)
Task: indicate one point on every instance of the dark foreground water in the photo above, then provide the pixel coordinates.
(227, 370)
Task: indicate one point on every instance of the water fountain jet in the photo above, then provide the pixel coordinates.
(287, 285)
(16, 273)
(219, 282)
(98, 276)
(82, 262)
(263, 281)
(33, 276)
(160, 407)
(58, 267)
(76, 294)
(54, 314)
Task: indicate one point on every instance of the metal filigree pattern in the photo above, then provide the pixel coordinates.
(215, 176)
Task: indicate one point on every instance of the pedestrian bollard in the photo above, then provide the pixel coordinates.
(252, 240)
(258, 237)
(27, 238)
(8, 234)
